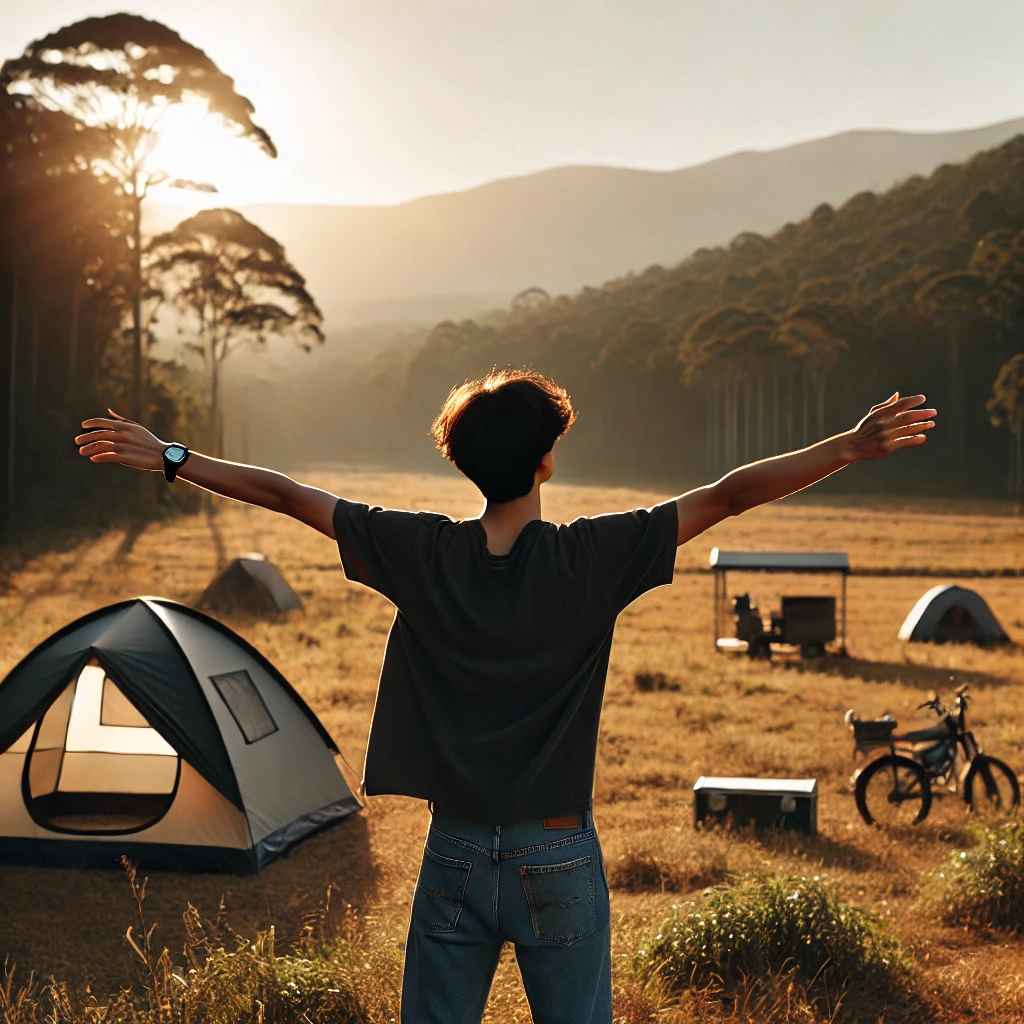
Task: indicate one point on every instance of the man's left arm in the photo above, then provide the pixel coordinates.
(888, 427)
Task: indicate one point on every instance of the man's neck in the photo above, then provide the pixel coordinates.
(504, 521)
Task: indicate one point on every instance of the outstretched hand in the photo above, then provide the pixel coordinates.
(890, 426)
(122, 441)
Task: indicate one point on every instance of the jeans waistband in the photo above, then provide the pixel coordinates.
(511, 839)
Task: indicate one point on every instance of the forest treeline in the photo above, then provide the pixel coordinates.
(752, 348)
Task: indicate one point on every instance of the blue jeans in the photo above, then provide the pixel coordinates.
(480, 886)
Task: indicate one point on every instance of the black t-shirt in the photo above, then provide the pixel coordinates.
(490, 693)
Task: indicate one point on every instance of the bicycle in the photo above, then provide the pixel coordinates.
(896, 789)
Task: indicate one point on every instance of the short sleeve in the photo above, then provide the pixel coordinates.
(634, 551)
(376, 545)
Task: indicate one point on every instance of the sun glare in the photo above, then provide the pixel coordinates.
(195, 147)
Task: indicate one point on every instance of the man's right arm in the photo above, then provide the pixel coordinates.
(130, 444)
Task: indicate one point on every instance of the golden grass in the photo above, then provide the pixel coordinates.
(695, 712)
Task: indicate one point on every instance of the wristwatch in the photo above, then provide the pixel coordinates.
(175, 456)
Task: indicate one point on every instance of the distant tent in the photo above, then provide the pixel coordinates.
(951, 614)
(250, 584)
(150, 730)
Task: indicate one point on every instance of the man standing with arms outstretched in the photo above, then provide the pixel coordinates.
(490, 692)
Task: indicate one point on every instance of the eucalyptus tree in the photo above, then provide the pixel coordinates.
(730, 348)
(238, 284)
(817, 334)
(117, 76)
(57, 233)
(954, 303)
(1006, 408)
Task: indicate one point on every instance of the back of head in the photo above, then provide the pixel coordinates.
(497, 429)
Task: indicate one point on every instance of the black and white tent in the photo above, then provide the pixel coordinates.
(149, 729)
(951, 614)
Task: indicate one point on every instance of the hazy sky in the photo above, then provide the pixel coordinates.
(377, 101)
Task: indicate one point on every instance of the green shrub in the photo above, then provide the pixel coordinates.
(767, 925)
(983, 886)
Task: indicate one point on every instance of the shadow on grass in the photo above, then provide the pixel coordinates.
(926, 676)
(70, 922)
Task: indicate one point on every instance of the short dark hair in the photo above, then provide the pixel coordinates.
(497, 429)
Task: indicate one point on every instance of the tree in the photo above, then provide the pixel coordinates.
(117, 76)
(1006, 408)
(954, 303)
(817, 334)
(237, 282)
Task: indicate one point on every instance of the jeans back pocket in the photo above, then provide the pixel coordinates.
(561, 899)
(440, 891)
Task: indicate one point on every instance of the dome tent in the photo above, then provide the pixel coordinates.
(250, 584)
(951, 614)
(149, 729)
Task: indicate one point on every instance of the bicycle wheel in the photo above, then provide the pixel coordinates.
(893, 790)
(990, 786)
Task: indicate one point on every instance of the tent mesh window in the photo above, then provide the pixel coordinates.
(239, 692)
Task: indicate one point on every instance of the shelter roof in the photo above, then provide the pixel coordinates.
(780, 561)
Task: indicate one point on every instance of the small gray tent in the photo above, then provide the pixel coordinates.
(951, 614)
(148, 729)
(250, 584)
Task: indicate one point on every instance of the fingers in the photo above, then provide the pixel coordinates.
(915, 415)
(96, 448)
(104, 424)
(96, 435)
(906, 442)
(887, 402)
(906, 403)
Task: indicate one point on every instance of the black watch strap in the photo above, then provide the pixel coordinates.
(174, 457)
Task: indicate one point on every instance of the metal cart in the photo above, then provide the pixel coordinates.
(807, 622)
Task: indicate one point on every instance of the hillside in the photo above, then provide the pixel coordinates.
(450, 256)
(744, 350)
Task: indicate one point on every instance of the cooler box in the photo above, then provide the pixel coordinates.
(765, 803)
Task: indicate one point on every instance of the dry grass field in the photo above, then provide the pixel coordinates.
(713, 714)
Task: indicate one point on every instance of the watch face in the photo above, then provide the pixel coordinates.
(175, 453)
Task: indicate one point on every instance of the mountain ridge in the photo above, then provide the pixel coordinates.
(455, 254)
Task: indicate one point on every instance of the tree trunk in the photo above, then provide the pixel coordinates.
(136, 257)
(775, 409)
(72, 380)
(747, 418)
(805, 432)
(1019, 438)
(789, 409)
(957, 401)
(819, 385)
(760, 414)
(709, 438)
(33, 357)
(215, 431)
(12, 370)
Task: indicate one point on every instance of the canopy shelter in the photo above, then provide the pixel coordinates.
(147, 728)
(250, 584)
(951, 614)
(818, 563)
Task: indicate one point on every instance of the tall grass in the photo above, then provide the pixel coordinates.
(342, 977)
(983, 886)
(766, 926)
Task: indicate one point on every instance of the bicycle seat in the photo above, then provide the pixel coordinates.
(930, 735)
